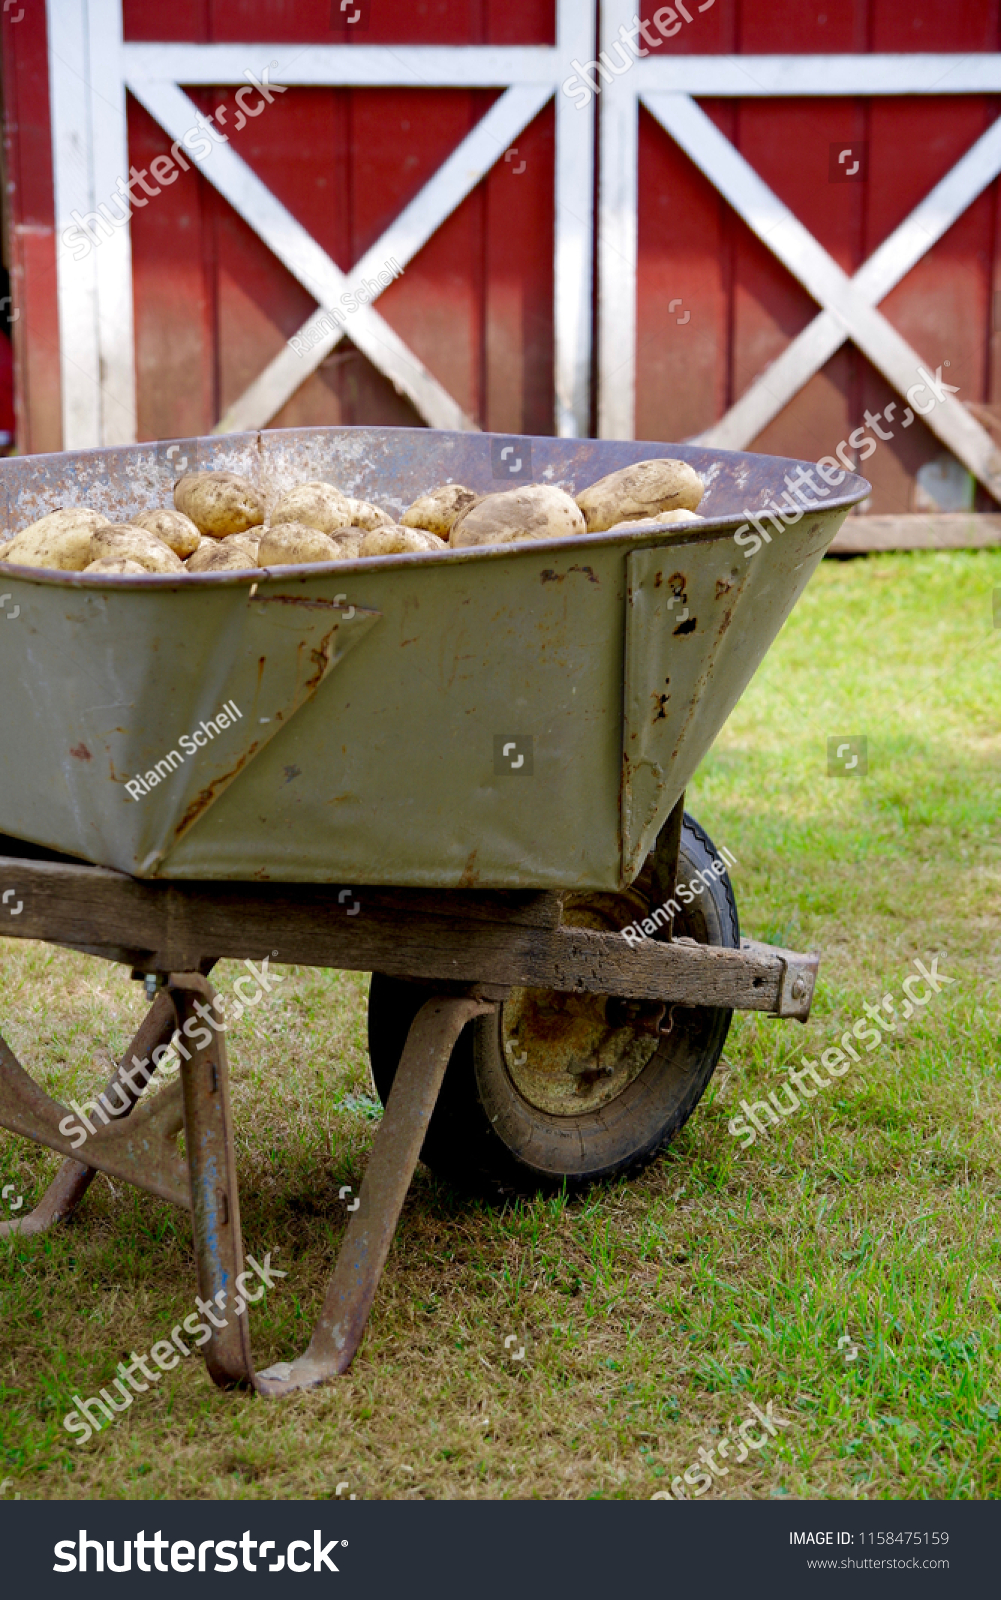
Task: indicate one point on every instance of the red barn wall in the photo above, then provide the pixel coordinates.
(213, 306)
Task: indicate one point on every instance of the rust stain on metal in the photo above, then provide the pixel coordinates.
(322, 655)
(548, 575)
(297, 600)
(81, 752)
(470, 877)
(206, 796)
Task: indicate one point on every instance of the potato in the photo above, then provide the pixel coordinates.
(123, 541)
(223, 555)
(534, 511)
(439, 510)
(219, 502)
(364, 515)
(642, 490)
(293, 543)
(173, 527)
(59, 542)
(116, 564)
(665, 517)
(348, 541)
(314, 505)
(396, 541)
(250, 542)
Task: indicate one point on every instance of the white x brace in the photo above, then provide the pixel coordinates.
(90, 68)
(667, 86)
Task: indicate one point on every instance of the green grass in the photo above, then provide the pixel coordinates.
(651, 1312)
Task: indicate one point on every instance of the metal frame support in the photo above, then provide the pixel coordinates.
(365, 1246)
(215, 1197)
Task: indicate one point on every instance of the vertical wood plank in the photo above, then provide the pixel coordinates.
(573, 250)
(618, 121)
(94, 285)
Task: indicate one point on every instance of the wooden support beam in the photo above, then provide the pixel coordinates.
(169, 927)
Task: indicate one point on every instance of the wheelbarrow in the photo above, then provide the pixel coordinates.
(464, 774)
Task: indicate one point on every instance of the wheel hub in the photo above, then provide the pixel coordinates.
(571, 1054)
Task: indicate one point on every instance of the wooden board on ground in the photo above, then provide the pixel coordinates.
(939, 530)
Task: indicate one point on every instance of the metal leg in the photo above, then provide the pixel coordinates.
(215, 1201)
(74, 1177)
(60, 1200)
(366, 1243)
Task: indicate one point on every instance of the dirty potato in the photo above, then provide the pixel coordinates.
(59, 542)
(173, 527)
(665, 518)
(219, 503)
(642, 490)
(365, 515)
(250, 542)
(223, 555)
(348, 541)
(534, 511)
(294, 543)
(116, 564)
(438, 511)
(397, 541)
(314, 505)
(124, 541)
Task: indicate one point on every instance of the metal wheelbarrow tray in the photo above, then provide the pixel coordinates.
(495, 743)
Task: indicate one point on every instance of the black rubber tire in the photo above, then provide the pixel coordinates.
(485, 1138)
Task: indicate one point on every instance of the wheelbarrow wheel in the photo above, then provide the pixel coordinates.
(566, 1089)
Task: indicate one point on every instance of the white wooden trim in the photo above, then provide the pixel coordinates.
(821, 276)
(354, 65)
(747, 77)
(530, 74)
(893, 259)
(573, 228)
(401, 241)
(303, 257)
(618, 161)
(499, 66)
(90, 153)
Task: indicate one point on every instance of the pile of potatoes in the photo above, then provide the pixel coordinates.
(217, 523)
